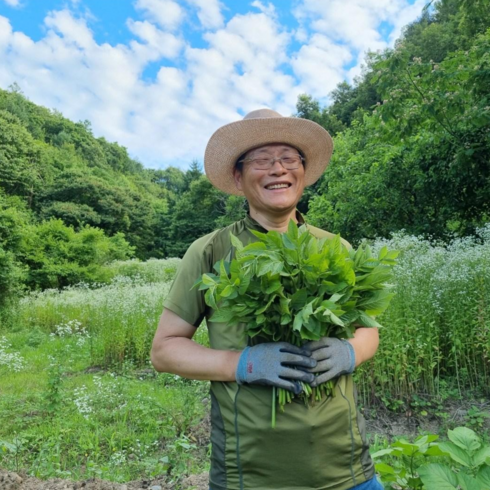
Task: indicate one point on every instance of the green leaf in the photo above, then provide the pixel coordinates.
(375, 302)
(235, 241)
(208, 280)
(384, 452)
(222, 316)
(464, 438)
(267, 265)
(260, 235)
(384, 469)
(383, 253)
(307, 311)
(483, 476)
(260, 319)
(467, 482)
(273, 286)
(227, 291)
(438, 477)
(456, 453)
(366, 321)
(298, 322)
(288, 243)
(255, 248)
(201, 284)
(333, 318)
(426, 439)
(434, 450)
(292, 231)
(407, 448)
(482, 456)
(336, 297)
(210, 299)
(298, 299)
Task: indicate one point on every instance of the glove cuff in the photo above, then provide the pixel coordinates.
(241, 369)
(352, 356)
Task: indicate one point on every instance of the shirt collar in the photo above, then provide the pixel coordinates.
(252, 224)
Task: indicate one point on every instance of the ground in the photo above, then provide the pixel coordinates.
(13, 481)
(380, 422)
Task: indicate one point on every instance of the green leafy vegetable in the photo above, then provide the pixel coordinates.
(294, 287)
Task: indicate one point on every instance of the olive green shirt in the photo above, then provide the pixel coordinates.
(319, 447)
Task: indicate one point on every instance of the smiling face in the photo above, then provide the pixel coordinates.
(275, 190)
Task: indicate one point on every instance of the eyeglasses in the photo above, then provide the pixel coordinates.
(289, 162)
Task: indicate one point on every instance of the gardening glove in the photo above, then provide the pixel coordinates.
(334, 357)
(272, 364)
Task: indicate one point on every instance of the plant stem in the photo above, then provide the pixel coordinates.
(273, 422)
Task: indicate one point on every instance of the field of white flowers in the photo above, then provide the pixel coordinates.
(80, 399)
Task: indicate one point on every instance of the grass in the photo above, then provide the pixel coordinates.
(79, 397)
(57, 419)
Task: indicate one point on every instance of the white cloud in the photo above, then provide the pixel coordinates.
(12, 3)
(319, 64)
(164, 43)
(72, 30)
(245, 64)
(209, 13)
(165, 120)
(406, 16)
(167, 13)
(355, 23)
(268, 9)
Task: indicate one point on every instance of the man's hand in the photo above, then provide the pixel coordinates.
(271, 364)
(334, 357)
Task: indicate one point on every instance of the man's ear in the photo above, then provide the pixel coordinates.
(237, 175)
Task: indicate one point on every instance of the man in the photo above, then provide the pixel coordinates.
(269, 159)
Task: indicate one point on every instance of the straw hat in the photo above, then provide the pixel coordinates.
(259, 128)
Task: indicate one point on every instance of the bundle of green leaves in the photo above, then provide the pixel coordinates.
(295, 287)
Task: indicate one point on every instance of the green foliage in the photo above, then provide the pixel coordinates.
(294, 287)
(426, 144)
(150, 271)
(57, 256)
(21, 159)
(310, 288)
(461, 463)
(193, 214)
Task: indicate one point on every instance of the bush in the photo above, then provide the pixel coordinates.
(58, 256)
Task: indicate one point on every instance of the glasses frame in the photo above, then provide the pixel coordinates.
(273, 160)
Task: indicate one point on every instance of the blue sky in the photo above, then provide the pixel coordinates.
(160, 76)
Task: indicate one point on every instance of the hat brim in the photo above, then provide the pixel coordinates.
(231, 141)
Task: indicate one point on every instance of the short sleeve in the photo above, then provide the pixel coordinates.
(183, 300)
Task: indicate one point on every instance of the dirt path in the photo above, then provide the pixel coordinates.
(13, 481)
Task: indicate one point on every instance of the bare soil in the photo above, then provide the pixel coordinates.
(379, 421)
(14, 481)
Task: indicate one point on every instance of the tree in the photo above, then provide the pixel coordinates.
(420, 161)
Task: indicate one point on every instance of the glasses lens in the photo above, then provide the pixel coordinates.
(261, 163)
(290, 162)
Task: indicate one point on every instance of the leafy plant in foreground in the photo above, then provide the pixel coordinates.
(294, 287)
(461, 463)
